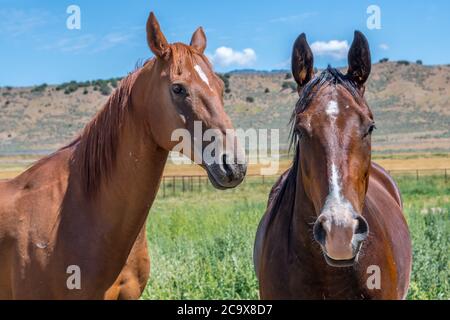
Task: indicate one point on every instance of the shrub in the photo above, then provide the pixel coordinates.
(85, 91)
(105, 89)
(289, 84)
(419, 62)
(288, 76)
(266, 90)
(39, 88)
(403, 62)
(114, 83)
(250, 99)
(226, 81)
(384, 60)
(68, 87)
(71, 87)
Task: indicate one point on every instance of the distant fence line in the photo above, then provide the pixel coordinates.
(173, 184)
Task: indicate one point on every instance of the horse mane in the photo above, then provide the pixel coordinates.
(329, 76)
(96, 146)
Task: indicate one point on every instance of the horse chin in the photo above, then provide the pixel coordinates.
(340, 263)
(216, 184)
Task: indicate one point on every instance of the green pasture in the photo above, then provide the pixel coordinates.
(201, 242)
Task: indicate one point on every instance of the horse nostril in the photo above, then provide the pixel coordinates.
(363, 228)
(319, 232)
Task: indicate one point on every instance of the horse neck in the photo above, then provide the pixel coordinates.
(126, 190)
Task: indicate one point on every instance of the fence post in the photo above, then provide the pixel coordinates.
(164, 187)
(262, 179)
(445, 174)
(417, 174)
(183, 183)
(192, 183)
(173, 185)
(199, 183)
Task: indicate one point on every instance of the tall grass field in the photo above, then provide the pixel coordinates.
(201, 242)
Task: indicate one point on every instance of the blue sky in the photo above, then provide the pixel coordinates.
(37, 47)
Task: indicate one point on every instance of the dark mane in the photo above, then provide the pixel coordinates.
(96, 147)
(329, 76)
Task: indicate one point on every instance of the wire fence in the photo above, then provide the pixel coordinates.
(173, 185)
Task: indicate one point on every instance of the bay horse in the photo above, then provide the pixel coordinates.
(334, 227)
(82, 210)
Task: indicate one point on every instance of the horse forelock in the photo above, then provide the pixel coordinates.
(329, 76)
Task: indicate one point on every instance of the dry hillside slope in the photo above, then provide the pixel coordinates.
(411, 104)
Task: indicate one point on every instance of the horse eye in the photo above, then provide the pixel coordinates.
(178, 89)
(370, 130)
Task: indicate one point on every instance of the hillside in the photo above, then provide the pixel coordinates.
(411, 104)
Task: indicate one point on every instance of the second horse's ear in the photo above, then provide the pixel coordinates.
(156, 39)
(198, 40)
(302, 61)
(359, 60)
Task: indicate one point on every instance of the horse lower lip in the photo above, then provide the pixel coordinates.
(339, 263)
(216, 183)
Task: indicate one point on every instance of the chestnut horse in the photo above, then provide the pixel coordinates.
(314, 241)
(79, 211)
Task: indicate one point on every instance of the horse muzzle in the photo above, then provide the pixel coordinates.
(226, 174)
(340, 240)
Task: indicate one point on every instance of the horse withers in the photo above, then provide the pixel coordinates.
(69, 223)
(334, 227)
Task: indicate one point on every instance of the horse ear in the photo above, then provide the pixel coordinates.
(156, 39)
(359, 60)
(302, 61)
(198, 40)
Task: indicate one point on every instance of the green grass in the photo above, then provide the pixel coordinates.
(201, 243)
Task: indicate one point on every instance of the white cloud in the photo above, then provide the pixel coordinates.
(225, 57)
(384, 46)
(72, 44)
(334, 48)
(15, 22)
(88, 43)
(113, 39)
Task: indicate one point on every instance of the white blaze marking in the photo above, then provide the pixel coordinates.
(335, 187)
(336, 205)
(332, 108)
(201, 74)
